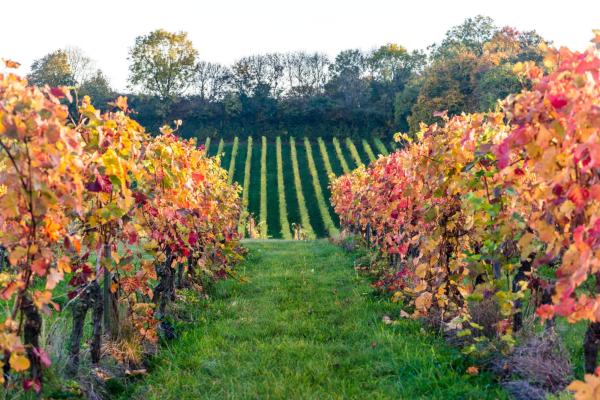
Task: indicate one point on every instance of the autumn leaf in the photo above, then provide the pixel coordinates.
(19, 362)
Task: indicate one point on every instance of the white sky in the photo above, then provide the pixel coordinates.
(224, 30)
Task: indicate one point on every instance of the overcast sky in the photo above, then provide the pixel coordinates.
(224, 30)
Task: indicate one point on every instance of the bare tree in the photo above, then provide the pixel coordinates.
(212, 80)
(82, 67)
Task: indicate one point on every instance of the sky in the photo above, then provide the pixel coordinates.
(225, 30)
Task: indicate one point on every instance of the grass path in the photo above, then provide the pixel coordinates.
(305, 326)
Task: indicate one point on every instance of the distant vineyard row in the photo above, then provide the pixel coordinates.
(301, 195)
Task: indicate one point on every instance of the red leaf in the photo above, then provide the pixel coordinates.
(558, 101)
(57, 92)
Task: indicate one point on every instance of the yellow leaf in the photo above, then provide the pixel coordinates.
(19, 362)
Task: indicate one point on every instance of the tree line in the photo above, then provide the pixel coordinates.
(358, 93)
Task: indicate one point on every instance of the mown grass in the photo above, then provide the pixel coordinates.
(254, 194)
(381, 147)
(273, 218)
(368, 150)
(232, 158)
(220, 147)
(322, 201)
(305, 219)
(310, 197)
(306, 326)
(263, 188)
(284, 223)
(354, 156)
(289, 184)
(340, 156)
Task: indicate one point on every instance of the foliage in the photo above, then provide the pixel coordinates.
(53, 69)
(142, 206)
(477, 205)
(162, 63)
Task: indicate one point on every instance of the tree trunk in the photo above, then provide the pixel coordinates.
(31, 334)
(179, 275)
(97, 312)
(106, 284)
(520, 276)
(591, 345)
(80, 308)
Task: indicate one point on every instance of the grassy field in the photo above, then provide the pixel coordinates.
(343, 154)
(304, 325)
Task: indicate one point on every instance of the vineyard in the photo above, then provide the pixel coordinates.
(294, 191)
(487, 224)
(458, 261)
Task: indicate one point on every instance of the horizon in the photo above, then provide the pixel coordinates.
(362, 28)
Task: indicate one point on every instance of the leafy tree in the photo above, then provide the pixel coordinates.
(469, 36)
(53, 69)
(162, 63)
(97, 87)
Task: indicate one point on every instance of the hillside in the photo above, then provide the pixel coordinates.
(252, 162)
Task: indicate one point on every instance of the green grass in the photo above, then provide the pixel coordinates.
(321, 202)
(340, 156)
(254, 195)
(234, 151)
(325, 157)
(380, 147)
(289, 185)
(220, 147)
(283, 215)
(247, 165)
(353, 152)
(207, 144)
(303, 211)
(305, 326)
(263, 189)
(368, 150)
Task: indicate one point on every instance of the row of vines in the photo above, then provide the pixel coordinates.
(500, 208)
(92, 203)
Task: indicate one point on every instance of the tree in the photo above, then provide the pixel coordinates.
(82, 67)
(469, 36)
(212, 80)
(346, 81)
(97, 87)
(162, 63)
(53, 69)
